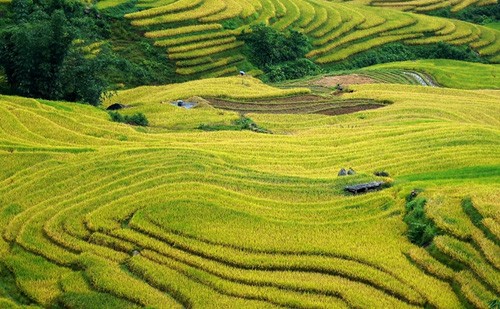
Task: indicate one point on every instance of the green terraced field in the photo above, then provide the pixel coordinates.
(495, 26)
(203, 37)
(427, 5)
(97, 214)
(435, 73)
(450, 73)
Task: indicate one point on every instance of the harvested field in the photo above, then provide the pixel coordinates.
(351, 79)
(299, 105)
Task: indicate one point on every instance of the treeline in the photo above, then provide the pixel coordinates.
(401, 52)
(66, 50)
(474, 14)
(46, 50)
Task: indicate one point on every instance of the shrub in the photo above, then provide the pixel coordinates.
(116, 117)
(421, 230)
(138, 119)
(243, 123)
(292, 70)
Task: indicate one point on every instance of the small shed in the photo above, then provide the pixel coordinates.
(364, 187)
(115, 106)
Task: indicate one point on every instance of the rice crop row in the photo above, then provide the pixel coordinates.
(182, 30)
(177, 6)
(211, 50)
(363, 34)
(466, 254)
(473, 290)
(209, 66)
(234, 9)
(210, 7)
(207, 38)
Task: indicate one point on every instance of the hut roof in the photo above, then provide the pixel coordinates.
(363, 187)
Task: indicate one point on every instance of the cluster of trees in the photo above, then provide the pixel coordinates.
(401, 52)
(281, 55)
(43, 50)
(474, 14)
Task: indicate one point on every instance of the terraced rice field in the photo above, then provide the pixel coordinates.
(448, 73)
(103, 215)
(298, 105)
(203, 37)
(372, 76)
(427, 5)
(435, 72)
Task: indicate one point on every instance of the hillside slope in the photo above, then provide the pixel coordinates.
(99, 214)
(452, 74)
(203, 37)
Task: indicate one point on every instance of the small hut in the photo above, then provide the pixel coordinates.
(364, 187)
(115, 106)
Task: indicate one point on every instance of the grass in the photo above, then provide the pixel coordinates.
(174, 215)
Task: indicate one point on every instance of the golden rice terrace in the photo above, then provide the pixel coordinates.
(96, 214)
(203, 37)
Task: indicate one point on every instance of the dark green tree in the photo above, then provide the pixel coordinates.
(280, 55)
(40, 58)
(269, 46)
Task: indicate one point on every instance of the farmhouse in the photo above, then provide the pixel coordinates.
(364, 187)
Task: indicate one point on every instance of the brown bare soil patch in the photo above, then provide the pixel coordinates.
(349, 109)
(345, 80)
(298, 105)
(293, 99)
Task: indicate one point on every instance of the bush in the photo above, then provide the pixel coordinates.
(292, 70)
(421, 230)
(243, 123)
(138, 119)
(116, 117)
